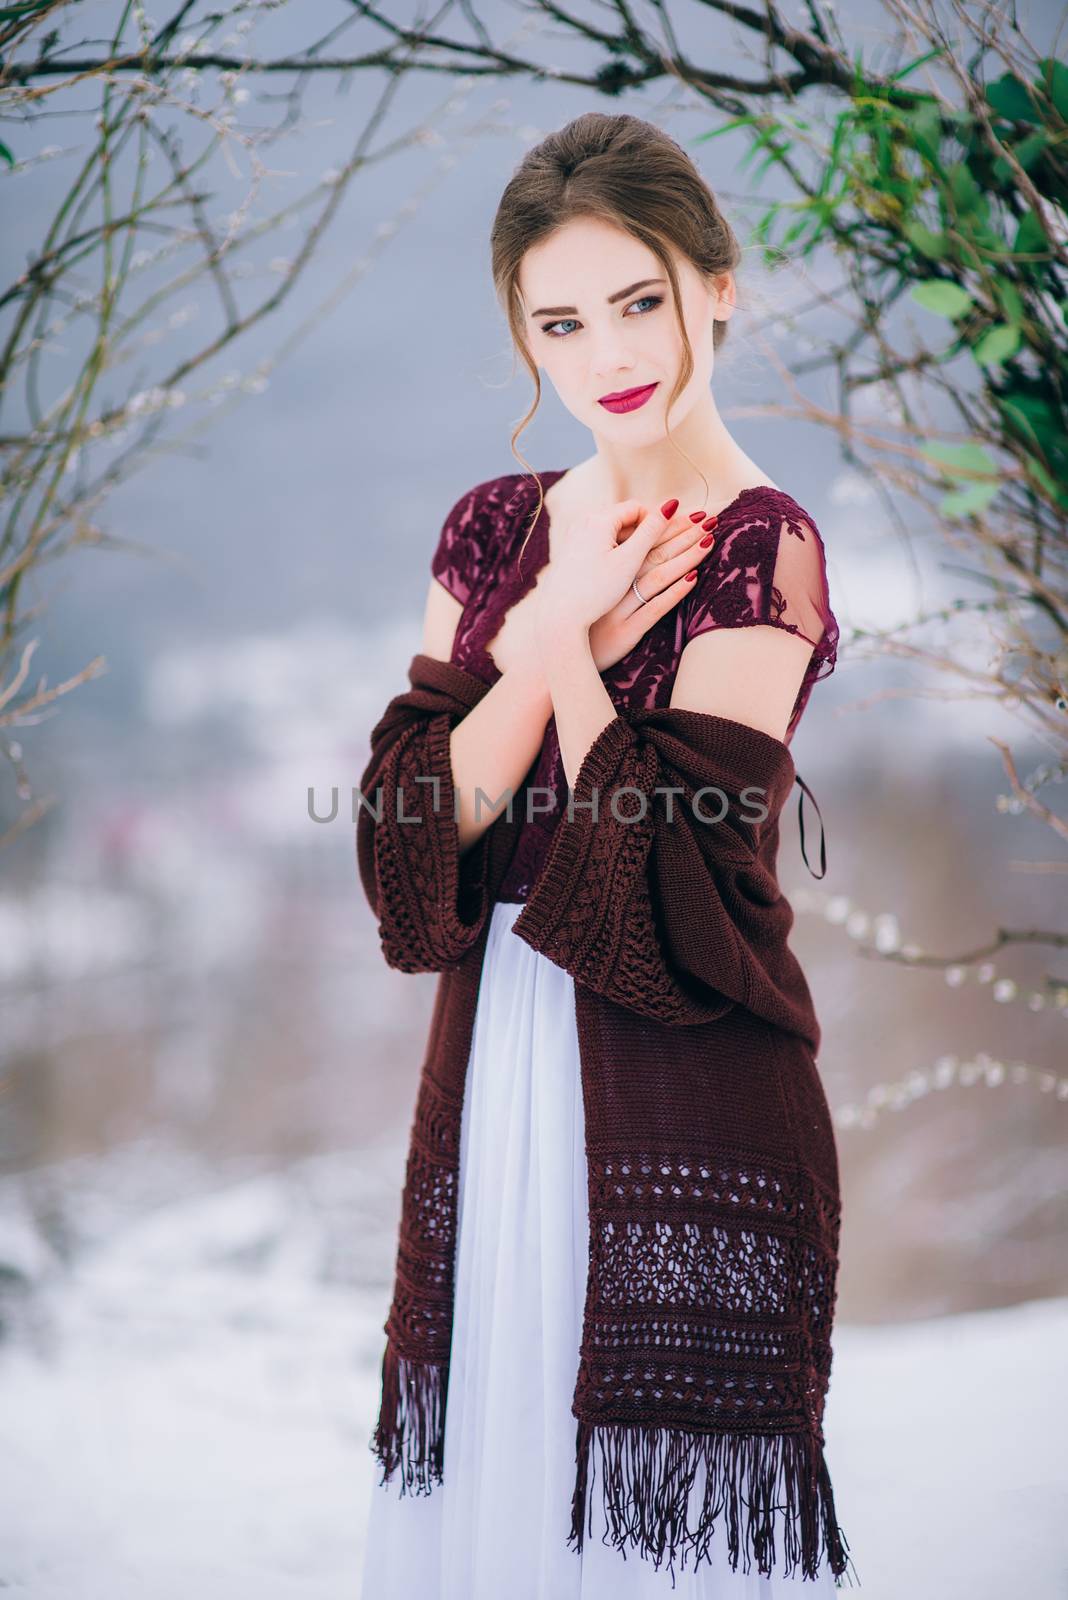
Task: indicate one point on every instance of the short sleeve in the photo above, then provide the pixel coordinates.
(460, 556)
(768, 568)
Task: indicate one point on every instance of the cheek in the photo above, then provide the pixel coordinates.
(562, 374)
(564, 366)
(698, 311)
(667, 333)
(700, 325)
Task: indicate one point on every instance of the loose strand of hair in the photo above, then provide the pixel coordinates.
(531, 365)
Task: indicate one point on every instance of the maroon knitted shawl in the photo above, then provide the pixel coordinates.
(712, 1168)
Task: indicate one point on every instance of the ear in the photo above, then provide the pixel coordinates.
(724, 294)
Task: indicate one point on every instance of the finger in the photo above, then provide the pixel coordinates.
(669, 598)
(643, 617)
(625, 529)
(649, 531)
(658, 576)
(624, 517)
(682, 539)
(673, 526)
(663, 525)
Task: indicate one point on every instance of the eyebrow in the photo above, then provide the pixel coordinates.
(572, 311)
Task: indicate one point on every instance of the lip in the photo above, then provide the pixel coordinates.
(627, 399)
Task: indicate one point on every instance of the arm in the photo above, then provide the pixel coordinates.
(661, 908)
(751, 674)
(422, 854)
(496, 744)
(676, 917)
(430, 903)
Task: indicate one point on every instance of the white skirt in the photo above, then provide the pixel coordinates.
(498, 1525)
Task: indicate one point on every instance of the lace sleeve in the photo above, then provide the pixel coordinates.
(768, 568)
(460, 556)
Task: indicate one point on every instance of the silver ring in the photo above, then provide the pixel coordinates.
(637, 591)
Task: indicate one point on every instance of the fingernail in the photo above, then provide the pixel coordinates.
(690, 576)
(669, 508)
(710, 522)
(707, 540)
(696, 516)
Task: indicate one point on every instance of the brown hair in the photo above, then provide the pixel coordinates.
(627, 172)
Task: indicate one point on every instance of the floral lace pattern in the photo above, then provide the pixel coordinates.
(767, 568)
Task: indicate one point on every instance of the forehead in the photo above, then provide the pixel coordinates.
(586, 259)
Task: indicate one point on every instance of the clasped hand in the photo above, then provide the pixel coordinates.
(587, 584)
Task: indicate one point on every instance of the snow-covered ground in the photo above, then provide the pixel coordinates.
(186, 1405)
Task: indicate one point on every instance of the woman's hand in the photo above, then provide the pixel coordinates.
(587, 585)
(674, 550)
(662, 578)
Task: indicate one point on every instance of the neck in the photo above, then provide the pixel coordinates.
(652, 473)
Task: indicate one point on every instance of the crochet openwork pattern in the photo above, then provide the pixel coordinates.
(696, 1276)
(410, 1434)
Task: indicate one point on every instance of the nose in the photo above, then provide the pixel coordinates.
(612, 356)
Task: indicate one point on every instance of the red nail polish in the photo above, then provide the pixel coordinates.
(690, 576)
(707, 540)
(696, 516)
(669, 508)
(710, 522)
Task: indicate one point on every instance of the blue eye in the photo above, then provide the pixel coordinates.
(651, 300)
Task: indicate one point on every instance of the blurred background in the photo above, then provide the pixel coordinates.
(295, 366)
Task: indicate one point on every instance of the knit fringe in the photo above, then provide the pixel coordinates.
(649, 1473)
(411, 1422)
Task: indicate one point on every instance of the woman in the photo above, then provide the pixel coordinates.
(621, 1202)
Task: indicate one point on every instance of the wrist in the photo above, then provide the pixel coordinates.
(563, 638)
(527, 681)
(554, 618)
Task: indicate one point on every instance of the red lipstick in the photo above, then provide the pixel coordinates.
(627, 399)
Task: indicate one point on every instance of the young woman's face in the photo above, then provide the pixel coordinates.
(600, 320)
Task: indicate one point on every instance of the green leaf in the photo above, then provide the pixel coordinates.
(963, 188)
(924, 123)
(997, 344)
(1044, 481)
(1029, 149)
(1030, 237)
(1010, 98)
(6, 153)
(1034, 420)
(1010, 300)
(1054, 80)
(976, 234)
(968, 501)
(945, 299)
(931, 245)
(896, 77)
(970, 457)
(725, 127)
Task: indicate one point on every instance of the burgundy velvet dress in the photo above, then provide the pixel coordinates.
(488, 1530)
